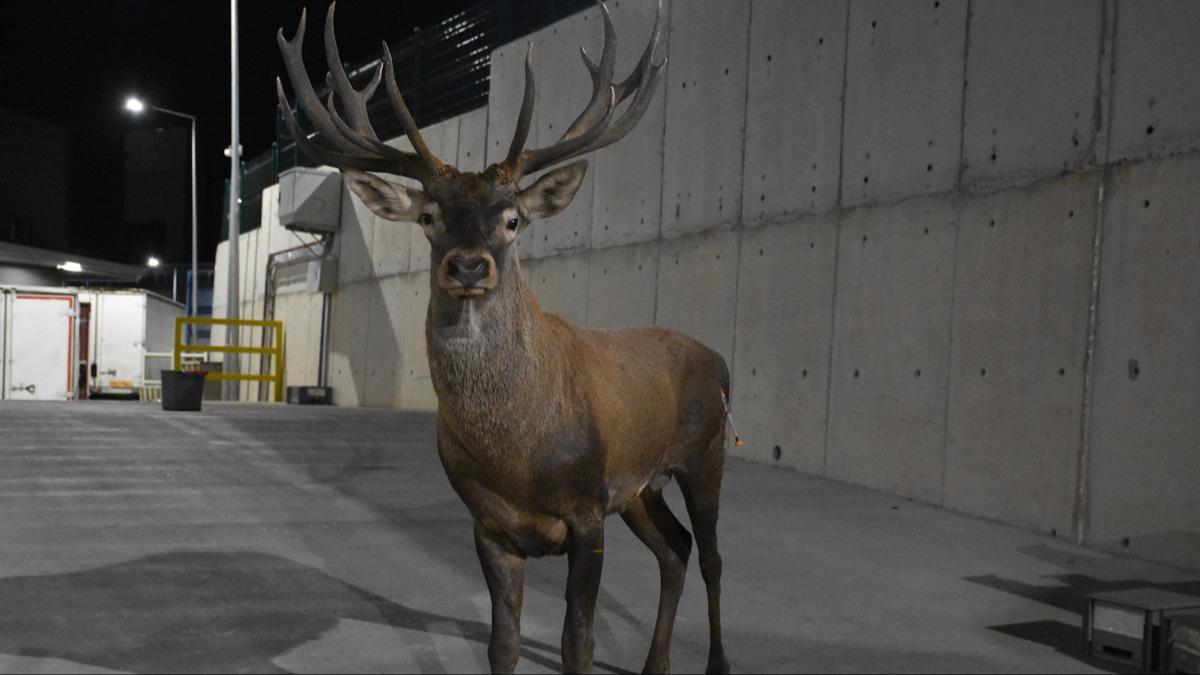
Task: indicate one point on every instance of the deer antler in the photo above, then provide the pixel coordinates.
(594, 127)
(354, 145)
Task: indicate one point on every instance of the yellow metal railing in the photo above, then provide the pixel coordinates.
(275, 351)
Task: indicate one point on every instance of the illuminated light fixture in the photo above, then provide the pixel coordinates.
(134, 105)
(71, 266)
(152, 262)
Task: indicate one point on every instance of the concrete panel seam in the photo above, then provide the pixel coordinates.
(1105, 66)
(841, 137)
(745, 124)
(962, 136)
(1080, 510)
(833, 303)
(837, 245)
(662, 170)
(737, 272)
(958, 213)
(657, 261)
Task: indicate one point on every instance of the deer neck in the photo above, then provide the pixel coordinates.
(485, 358)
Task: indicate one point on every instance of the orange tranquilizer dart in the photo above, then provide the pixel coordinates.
(737, 440)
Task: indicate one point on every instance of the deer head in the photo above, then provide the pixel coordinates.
(471, 219)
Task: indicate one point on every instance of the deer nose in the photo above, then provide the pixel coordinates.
(468, 271)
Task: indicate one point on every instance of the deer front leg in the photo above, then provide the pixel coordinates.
(585, 555)
(505, 575)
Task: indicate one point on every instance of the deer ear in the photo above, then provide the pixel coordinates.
(553, 191)
(390, 201)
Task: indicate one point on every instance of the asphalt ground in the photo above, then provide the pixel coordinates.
(268, 538)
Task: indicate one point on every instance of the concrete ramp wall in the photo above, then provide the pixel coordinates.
(950, 250)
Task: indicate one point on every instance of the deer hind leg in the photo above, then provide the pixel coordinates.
(701, 487)
(652, 521)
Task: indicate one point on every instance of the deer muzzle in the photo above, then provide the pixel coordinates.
(467, 273)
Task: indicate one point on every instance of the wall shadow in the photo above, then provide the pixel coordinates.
(1069, 593)
(194, 611)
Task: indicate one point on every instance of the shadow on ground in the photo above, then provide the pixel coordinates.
(1068, 593)
(192, 611)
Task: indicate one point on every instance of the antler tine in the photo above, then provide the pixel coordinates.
(631, 83)
(371, 142)
(633, 114)
(535, 160)
(601, 79)
(410, 126)
(344, 129)
(525, 119)
(357, 149)
(594, 128)
(341, 160)
(306, 96)
(353, 100)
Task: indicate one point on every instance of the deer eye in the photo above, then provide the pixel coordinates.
(426, 219)
(513, 223)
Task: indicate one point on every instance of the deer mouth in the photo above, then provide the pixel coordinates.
(464, 293)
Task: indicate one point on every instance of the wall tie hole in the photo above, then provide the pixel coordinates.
(856, 373)
(1150, 130)
(982, 372)
(1135, 369)
(776, 452)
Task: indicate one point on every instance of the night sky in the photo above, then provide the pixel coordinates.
(73, 63)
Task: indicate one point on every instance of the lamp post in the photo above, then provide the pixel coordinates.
(137, 106)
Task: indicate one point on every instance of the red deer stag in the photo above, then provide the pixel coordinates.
(543, 428)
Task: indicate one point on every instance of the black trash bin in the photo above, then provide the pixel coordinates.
(182, 389)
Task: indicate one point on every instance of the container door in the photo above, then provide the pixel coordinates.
(3, 344)
(43, 348)
(119, 322)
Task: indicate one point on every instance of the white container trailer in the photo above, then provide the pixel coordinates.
(39, 343)
(132, 334)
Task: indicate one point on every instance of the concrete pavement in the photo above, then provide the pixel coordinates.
(265, 538)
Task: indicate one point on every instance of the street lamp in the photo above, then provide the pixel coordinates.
(136, 106)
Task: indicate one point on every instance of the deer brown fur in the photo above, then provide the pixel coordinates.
(544, 429)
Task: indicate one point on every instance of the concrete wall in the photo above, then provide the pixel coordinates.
(949, 249)
(299, 311)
